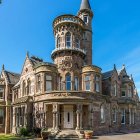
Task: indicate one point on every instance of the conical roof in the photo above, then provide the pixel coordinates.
(85, 5)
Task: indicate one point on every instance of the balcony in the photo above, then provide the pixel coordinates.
(57, 50)
(68, 19)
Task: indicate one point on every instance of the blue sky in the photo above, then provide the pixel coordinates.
(26, 25)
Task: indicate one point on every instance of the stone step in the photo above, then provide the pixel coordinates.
(67, 135)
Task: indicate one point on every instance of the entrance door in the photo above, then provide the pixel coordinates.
(68, 116)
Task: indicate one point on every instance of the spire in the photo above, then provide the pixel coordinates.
(85, 5)
(123, 67)
(3, 68)
(27, 54)
(114, 67)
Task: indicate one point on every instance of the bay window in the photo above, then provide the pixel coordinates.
(68, 82)
(97, 83)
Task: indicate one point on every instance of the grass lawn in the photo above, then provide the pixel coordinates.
(9, 137)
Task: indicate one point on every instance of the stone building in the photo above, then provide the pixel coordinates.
(71, 93)
(7, 81)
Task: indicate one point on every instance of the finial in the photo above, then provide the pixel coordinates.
(114, 66)
(123, 67)
(27, 54)
(131, 77)
(3, 67)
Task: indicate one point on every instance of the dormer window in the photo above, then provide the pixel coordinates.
(68, 40)
(85, 18)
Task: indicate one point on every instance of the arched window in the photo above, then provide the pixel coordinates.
(68, 40)
(68, 82)
(28, 87)
(24, 88)
(102, 114)
(77, 43)
(58, 42)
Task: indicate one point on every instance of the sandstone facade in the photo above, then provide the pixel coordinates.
(71, 93)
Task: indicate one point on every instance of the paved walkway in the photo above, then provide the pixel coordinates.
(132, 136)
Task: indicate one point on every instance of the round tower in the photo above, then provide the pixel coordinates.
(86, 14)
(68, 53)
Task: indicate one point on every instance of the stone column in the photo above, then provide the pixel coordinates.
(55, 116)
(81, 116)
(78, 120)
(54, 120)
(57, 121)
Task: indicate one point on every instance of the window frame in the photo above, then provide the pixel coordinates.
(123, 114)
(85, 17)
(102, 113)
(76, 83)
(50, 81)
(2, 93)
(68, 38)
(38, 83)
(97, 83)
(2, 113)
(87, 81)
(68, 82)
(114, 115)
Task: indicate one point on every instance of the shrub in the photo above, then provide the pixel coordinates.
(23, 131)
(37, 130)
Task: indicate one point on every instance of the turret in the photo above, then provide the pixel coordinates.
(86, 14)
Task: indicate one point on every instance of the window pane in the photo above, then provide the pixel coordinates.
(68, 82)
(76, 83)
(48, 85)
(48, 77)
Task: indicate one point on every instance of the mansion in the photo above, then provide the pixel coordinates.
(71, 93)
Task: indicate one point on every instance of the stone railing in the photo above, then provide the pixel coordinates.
(68, 18)
(68, 49)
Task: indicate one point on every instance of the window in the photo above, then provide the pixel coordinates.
(130, 114)
(38, 83)
(68, 40)
(87, 82)
(48, 83)
(58, 42)
(130, 91)
(122, 116)
(60, 83)
(1, 116)
(76, 83)
(102, 114)
(97, 83)
(1, 93)
(28, 87)
(133, 117)
(68, 82)
(85, 18)
(115, 89)
(24, 88)
(123, 94)
(114, 114)
(77, 43)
